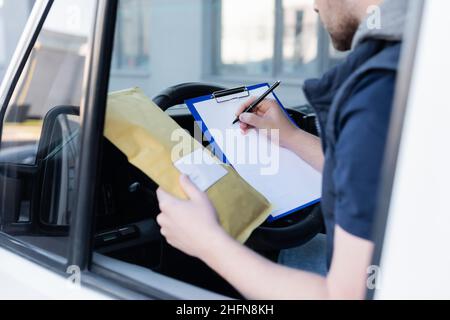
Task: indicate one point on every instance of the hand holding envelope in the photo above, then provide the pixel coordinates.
(143, 132)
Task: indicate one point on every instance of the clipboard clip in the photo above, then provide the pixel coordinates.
(231, 94)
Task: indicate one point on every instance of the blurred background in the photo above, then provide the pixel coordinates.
(160, 43)
(232, 42)
(13, 17)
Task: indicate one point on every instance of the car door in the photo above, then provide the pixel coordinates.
(47, 105)
(53, 101)
(412, 260)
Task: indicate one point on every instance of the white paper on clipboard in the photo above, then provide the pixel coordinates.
(287, 181)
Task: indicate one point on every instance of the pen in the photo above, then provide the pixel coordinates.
(259, 100)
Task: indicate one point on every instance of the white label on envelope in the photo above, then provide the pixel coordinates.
(201, 168)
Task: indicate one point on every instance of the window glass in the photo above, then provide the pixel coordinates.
(161, 43)
(39, 142)
(13, 16)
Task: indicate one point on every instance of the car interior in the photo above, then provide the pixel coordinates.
(129, 198)
(126, 208)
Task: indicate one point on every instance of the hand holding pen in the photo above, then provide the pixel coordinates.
(268, 115)
(254, 103)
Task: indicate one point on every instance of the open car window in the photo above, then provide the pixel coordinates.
(159, 44)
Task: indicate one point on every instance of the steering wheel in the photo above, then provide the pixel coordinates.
(291, 231)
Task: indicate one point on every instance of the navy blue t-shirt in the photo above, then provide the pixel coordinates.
(353, 164)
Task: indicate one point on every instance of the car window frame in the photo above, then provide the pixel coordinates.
(395, 135)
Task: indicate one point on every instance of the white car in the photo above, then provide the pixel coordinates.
(78, 221)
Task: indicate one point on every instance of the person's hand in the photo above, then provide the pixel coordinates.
(192, 225)
(267, 115)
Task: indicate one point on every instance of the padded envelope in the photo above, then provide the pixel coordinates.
(143, 132)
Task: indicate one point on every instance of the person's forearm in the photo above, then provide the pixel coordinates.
(257, 278)
(308, 147)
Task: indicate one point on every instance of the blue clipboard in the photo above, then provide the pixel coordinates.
(217, 150)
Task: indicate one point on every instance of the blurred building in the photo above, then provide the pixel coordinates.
(160, 43)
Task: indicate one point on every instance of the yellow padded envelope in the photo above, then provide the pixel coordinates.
(143, 132)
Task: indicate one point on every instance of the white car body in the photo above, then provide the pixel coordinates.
(22, 279)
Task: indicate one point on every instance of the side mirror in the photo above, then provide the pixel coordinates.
(56, 159)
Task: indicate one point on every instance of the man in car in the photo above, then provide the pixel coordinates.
(353, 103)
